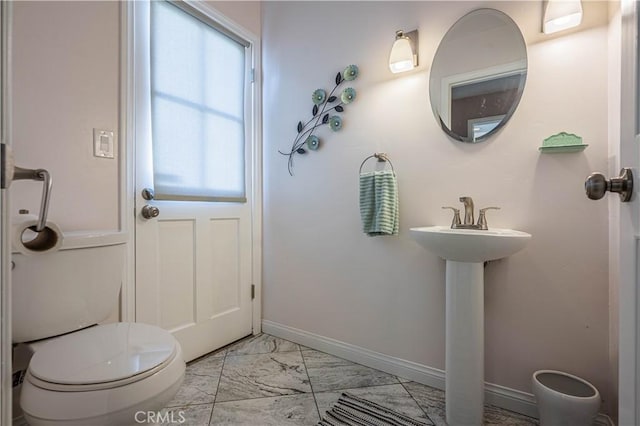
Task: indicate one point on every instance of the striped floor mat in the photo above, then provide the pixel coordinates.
(353, 411)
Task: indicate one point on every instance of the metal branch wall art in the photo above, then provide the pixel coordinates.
(324, 113)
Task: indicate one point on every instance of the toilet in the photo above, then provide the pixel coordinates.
(74, 371)
(564, 399)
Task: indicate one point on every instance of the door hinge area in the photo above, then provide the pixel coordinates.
(253, 291)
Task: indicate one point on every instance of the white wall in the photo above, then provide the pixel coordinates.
(66, 63)
(547, 306)
(244, 13)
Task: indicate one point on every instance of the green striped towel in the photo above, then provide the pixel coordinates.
(379, 203)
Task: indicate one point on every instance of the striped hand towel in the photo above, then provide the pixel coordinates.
(379, 203)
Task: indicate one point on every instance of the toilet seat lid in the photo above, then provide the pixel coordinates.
(104, 353)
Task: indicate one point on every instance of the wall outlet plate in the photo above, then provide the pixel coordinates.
(103, 144)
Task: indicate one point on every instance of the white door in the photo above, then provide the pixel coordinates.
(5, 293)
(629, 229)
(194, 259)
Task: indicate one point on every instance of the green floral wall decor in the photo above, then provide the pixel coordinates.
(324, 112)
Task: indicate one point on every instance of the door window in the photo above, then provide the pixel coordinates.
(198, 103)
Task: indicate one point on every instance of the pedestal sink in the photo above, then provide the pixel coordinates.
(465, 251)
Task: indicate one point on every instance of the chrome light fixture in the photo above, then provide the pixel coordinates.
(561, 15)
(404, 53)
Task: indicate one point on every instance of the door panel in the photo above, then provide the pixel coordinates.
(193, 272)
(226, 266)
(177, 286)
(194, 260)
(628, 222)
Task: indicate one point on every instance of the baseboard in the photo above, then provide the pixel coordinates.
(406, 369)
(500, 396)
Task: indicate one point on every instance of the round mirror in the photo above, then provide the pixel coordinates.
(478, 75)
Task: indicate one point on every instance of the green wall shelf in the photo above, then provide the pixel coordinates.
(562, 142)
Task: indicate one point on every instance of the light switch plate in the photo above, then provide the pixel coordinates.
(103, 143)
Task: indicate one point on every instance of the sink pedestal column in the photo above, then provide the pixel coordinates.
(464, 343)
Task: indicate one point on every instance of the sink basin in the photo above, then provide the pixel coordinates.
(470, 245)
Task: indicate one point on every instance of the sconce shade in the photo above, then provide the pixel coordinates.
(403, 56)
(560, 15)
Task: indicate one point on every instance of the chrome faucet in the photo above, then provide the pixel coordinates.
(456, 223)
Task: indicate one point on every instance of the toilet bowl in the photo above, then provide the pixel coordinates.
(564, 399)
(102, 375)
(77, 372)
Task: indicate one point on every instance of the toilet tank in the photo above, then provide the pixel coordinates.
(72, 288)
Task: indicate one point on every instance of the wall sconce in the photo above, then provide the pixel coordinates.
(560, 15)
(404, 53)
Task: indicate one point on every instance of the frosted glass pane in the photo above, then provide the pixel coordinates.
(176, 52)
(225, 149)
(198, 102)
(176, 151)
(224, 87)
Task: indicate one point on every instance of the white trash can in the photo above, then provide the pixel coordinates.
(564, 399)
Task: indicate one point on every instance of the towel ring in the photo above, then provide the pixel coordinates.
(382, 157)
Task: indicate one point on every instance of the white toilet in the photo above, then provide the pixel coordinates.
(80, 373)
(564, 399)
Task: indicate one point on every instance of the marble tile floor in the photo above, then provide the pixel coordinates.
(267, 381)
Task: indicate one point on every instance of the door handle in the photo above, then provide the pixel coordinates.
(149, 212)
(596, 185)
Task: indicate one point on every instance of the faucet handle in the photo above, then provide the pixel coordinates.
(482, 217)
(456, 216)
